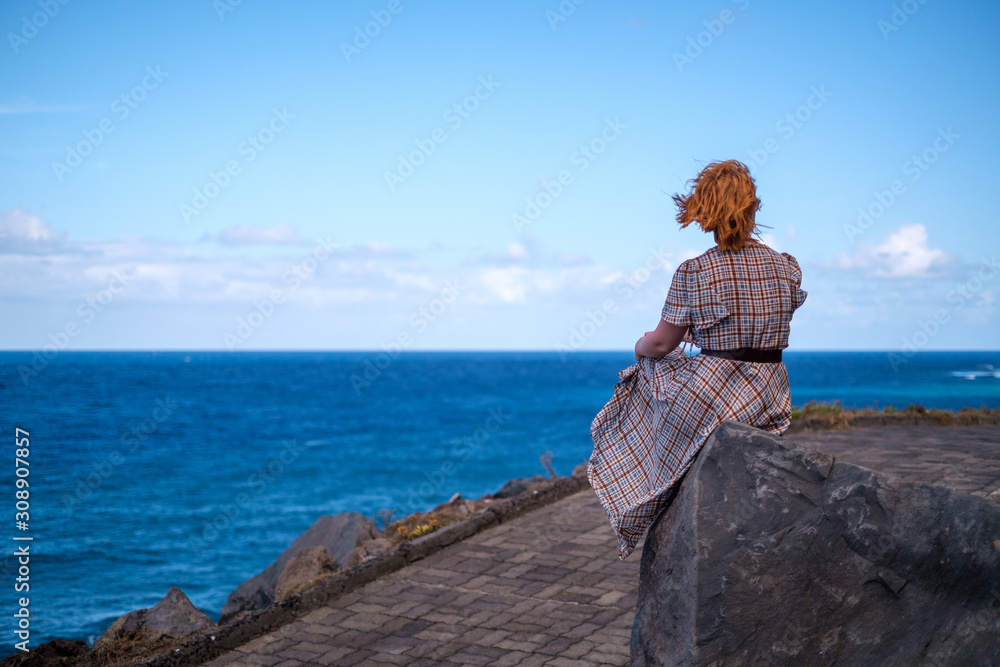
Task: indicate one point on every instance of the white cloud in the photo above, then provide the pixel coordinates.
(905, 253)
(374, 273)
(22, 232)
(17, 223)
(508, 284)
(517, 251)
(281, 234)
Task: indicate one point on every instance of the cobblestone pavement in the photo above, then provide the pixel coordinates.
(547, 588)
(965, 458)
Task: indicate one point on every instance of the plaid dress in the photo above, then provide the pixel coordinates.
(663, 410)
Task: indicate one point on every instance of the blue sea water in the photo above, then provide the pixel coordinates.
(196, 469)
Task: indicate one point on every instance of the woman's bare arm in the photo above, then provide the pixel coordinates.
(660, 341)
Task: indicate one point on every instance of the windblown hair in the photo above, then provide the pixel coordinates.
(723, 199)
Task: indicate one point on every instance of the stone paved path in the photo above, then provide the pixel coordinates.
(547, 588)
(544, 588)
(965, 458)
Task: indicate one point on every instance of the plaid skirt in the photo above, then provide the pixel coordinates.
(661, 413)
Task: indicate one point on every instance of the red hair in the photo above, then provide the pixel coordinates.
(723, 199)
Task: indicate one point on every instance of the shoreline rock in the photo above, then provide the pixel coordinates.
(340, 534)
(304, 570)
(772, 554)
(132, 637)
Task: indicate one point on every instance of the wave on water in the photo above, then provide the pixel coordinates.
(982, 371)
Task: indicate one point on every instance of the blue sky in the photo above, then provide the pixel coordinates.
(211, 175)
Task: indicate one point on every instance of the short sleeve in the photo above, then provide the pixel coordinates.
(676, 309)
(693, 300)
(798, 294)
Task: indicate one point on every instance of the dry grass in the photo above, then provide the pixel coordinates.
(123, 648)
(834, 416)
(829, 415)
(129, 648)
(415, 525)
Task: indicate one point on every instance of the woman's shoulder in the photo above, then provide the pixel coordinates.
(775, 255)
(707, 258)
(789, 260)
(789, 265)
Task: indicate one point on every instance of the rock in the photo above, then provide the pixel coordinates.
(369, 549)
(580, 470)
(480, 504)
(455, 509)
(303, 570)
(516, 487)
(994, 496)
(340, 533)
(772, 554)
(142, 631)
(56, 653)
(459, 508)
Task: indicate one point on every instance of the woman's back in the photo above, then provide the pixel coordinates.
(736, 299)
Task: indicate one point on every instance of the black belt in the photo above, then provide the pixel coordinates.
(747, 354)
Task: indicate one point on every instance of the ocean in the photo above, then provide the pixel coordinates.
(196, 469)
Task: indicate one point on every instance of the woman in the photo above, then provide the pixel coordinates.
(735, 302)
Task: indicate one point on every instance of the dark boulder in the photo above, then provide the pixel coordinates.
(772, 554)
(304, 570)
(145, 631)
(56, 653)
(340, 533)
